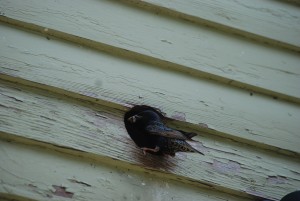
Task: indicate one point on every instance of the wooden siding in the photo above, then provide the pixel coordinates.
(69, 70)
(166, 41)
(89, 179)
(273, 22)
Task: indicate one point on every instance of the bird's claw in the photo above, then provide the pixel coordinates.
(145, 149)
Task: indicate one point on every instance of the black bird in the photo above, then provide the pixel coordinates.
(144, 125)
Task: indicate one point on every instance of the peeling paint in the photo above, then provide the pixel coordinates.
(61, 191)
(276, 180)
(166, 41)
(203, 125)
(203, 102)
(178, 116)
(230, 168)
(32, 186)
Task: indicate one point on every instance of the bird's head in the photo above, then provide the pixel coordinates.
(144, 117)
(134, 118)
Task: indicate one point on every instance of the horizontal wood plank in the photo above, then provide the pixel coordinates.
(166, 41)
(208, 106)
(227, 165)
(39, 174)
(275, 22)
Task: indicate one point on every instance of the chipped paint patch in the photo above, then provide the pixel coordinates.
(61, 191)
(230, 168)
(166, 41)
(274, 180)
(32, 186)
(178, 116)
(203, 125)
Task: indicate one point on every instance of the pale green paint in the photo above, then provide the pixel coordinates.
(97, 130)
(31, 172)
(225, 110)
(52, 121)
(194, 48)
(275, 22)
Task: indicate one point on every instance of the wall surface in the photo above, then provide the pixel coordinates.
(226, 70)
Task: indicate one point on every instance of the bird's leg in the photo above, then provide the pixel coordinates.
(144, 149)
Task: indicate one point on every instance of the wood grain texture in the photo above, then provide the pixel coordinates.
(38, 174)
(166, 41)
(276, 22)
(227, 165)
(208, 106)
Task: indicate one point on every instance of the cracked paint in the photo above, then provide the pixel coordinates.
(79, 182)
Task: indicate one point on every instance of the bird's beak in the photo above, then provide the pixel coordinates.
(134, 118)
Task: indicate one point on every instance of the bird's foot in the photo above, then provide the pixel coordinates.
(144, 149)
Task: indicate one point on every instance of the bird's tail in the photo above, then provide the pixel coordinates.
(193, 149)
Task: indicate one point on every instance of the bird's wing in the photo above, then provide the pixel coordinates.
(180, 145)
(158, 128)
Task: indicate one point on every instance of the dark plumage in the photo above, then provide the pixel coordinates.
(144, 125)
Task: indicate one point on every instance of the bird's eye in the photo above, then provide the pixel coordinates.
(131, 119)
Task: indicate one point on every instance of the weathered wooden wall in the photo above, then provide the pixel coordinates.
(227, 70)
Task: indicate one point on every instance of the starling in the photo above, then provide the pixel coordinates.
(145, 127)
